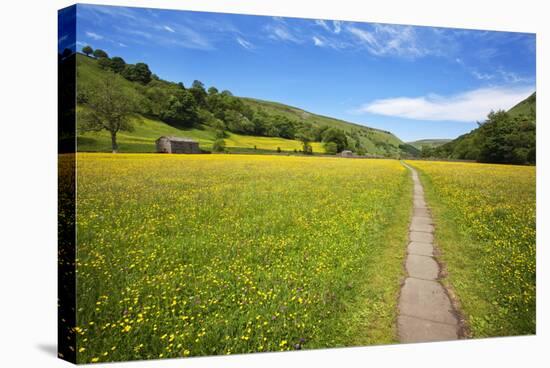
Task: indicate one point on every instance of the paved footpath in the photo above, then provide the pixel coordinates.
(425, 310)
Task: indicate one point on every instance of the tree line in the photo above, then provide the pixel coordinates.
(503, 137)
(193, 106)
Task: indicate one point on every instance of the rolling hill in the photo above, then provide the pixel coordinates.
(428, 142)
(149, 128)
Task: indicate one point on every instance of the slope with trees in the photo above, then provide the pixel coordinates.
(220, 114)
(504, 137)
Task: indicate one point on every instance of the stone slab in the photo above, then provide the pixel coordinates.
(413, 329)
(427, 220)
(421, 249)
(418, 236)
(421, 212)
(427, 300)
(420, 203)
(423, 267)
(422, 228)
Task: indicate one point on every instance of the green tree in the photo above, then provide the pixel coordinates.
(427, 151)
(109, 107)
(506, 139)
(180, 110)
(199, 93)
(306, 139)
(98, 54)
(117, 64)
(337, 136)
(87, 50)
(331, 148)
(238, 123)
(137, 73)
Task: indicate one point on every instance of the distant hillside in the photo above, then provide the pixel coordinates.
(505, 137)
(373, 140)
(432, 143)
(239, 119)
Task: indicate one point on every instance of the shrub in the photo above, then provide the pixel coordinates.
(331, 148)
(218, 146)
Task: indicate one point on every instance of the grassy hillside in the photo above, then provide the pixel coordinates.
(526, 107)
(428, 142)
(149, 128)
(505, 137)
(376, 141)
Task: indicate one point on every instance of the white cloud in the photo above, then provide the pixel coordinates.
(512, 77)
(280, 32)
(244, 43)
(171, 30)
(323, 24)
(94, 36)
(469, 106)
(385, 40)
(337, 26)
(317, 41)
(482, 76)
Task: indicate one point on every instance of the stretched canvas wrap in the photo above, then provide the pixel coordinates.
(236, 184)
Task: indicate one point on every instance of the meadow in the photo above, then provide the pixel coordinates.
(221, 254)
(485, 219)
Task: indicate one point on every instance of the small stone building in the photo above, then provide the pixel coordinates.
(177, 145)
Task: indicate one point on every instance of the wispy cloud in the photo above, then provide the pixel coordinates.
(131, 22)
(94, 36)
(337, 26)
(499, 75)
(385, 40)
(482, 76)
(330, 42)
(244, 43)
(511, 77)
(317, 41)
(323, 24)
(469, 106)
(281, 32)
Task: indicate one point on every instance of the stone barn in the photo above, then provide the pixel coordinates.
(177, 145)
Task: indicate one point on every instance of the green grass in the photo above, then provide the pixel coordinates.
(142, 139)
(525, 107)
(485, 229)
(214, 254)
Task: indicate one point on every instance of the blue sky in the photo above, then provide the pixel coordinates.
(417, 82)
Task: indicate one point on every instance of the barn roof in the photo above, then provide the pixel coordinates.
(178, 139)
